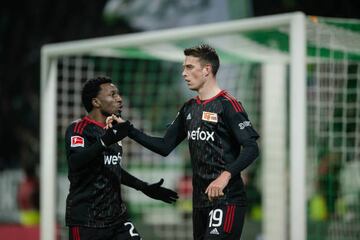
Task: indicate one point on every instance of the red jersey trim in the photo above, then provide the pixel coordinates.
(80, 126)
(76, 126)
(100, 124)
(198, 101)
(233, 101)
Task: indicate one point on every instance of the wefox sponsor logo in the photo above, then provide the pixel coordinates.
(112, 159)
(201, 135)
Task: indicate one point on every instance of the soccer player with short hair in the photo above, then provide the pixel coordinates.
(94, 206)
(222, 143)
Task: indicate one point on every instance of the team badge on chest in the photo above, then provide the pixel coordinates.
(210, 117)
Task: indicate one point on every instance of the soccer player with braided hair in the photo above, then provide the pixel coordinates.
(94, 206)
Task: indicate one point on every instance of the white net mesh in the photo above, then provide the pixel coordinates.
(333, 135)
(153, 91)
(149, 78)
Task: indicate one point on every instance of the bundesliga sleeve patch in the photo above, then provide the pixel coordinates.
(210, 117)
(77, 141)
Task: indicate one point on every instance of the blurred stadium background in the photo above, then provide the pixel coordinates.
(153, 91)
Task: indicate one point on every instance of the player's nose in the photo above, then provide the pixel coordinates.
(184, 73)
(118, 98)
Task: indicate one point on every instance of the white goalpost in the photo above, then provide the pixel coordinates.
(296, 23)
(267, 61)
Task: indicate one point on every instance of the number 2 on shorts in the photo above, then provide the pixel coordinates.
(131, 230)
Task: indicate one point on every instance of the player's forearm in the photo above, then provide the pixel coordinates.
(131, 181)
(248, 154)
(155, 144)
(81, 159)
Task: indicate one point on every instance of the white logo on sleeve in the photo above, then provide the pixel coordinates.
(244, 124)
(77, 141)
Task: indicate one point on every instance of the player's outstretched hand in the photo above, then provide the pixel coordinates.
(156, 191)
(117, 132)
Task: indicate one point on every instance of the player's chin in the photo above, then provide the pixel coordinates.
(114, 112)
(118, 113)
(191, 87)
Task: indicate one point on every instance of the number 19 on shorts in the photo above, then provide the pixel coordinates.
(215, 217)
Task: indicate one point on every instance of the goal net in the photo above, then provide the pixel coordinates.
(333, 159)
(307, 113)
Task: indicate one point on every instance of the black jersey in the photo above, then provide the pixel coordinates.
(220, 138)
(94, 198)
(216, 129)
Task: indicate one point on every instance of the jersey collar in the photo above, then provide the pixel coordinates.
(100, 124)
(198, 101)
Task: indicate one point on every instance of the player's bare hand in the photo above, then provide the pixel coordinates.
(112, 119)
(216, 187)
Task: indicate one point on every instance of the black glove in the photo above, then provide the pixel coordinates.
(114, 134)
(155, 191)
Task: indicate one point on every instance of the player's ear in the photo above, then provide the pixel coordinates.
(95, 102)
(207, 70)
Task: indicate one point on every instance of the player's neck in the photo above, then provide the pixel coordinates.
(208, 90)
(97, 116)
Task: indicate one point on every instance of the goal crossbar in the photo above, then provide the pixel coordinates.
(296, 23)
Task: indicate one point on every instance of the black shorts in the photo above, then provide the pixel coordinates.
(218, 222)
(124, 231)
